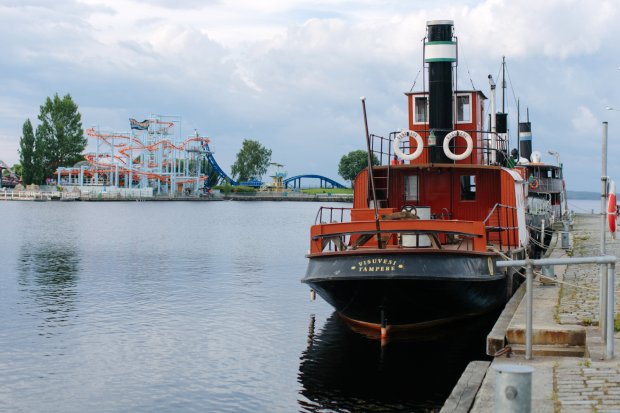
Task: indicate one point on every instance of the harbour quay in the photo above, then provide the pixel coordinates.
(146, 194)
(570, 367)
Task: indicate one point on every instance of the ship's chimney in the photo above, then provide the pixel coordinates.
(440, 54)
(525, 140)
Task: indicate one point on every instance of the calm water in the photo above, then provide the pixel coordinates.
(584, 206)
(190, 306)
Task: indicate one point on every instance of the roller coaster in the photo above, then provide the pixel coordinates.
(153, 155)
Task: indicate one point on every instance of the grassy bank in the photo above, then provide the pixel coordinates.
(348, 191)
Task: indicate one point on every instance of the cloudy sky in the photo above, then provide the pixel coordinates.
(290, 73)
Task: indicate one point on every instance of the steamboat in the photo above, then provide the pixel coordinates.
(442, 202)
(547, 203)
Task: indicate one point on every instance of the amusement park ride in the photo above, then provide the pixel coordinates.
(154, 155)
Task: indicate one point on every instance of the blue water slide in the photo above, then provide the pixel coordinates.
(296, 181)
(216, 167)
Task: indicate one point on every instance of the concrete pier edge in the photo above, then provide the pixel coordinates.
(579, 380)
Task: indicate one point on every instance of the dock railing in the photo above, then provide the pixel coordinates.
(28, 195)
(607, 305)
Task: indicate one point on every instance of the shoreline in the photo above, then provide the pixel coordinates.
(57, 196)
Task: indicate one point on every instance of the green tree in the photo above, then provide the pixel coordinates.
(17, 169)
(59, 140)
(252, 161)
(353, 163)
(40, 159)
(61, 133)
(26, 153)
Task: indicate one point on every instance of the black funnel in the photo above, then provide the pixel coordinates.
(440, 53)
(525, 139)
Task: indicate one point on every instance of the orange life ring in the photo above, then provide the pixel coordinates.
(534, 183)
(611, 209)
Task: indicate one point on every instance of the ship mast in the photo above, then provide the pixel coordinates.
(503, 84)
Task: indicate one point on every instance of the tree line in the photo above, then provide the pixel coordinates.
(57, 141)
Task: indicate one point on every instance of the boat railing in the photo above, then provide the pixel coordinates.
(501, 225)
(398, 234)
(545, 184)
(382, 148)
(539, 205)
(332, 214)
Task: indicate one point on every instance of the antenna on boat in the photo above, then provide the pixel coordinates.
(518, 135)
(371, 175)
(503, 84)
(493, 123)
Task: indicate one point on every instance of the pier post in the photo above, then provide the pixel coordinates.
(603, 293)
(529, 310)
(611, 306)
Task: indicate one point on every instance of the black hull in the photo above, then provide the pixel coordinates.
(411, 290)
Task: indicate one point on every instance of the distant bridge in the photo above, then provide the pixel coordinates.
(295, 181)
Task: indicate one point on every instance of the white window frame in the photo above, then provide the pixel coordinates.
(415, 109)
(412, 188)
(456, 107)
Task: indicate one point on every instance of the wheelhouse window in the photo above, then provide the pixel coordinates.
(411, 188)
(468, 188)
(420, 109)
(463, 108)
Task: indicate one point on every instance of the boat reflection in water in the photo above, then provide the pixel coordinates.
(343, 370)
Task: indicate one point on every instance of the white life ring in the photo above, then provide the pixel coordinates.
(452, 135)
(408, 134)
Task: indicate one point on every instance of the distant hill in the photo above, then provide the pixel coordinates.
(575, 195)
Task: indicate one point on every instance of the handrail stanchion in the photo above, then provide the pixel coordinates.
(611, 306)
(603, 293)
(529, 310)
(609, 260)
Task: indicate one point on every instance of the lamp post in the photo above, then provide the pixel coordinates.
(557, 157)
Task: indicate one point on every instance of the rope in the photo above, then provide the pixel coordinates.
(511, 88)
(467, 66)
(583, 209)
(415, 80)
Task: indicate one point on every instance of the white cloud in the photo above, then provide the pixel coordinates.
(584, 122)
(290, 74)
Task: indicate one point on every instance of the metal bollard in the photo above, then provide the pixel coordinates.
(513, 388)
(548, 271)
(565, 240)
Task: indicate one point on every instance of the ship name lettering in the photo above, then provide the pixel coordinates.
(376, 268)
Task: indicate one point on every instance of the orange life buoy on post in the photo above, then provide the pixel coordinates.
(534, 183)
(611, 209)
